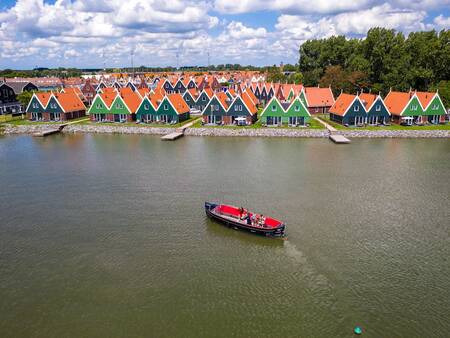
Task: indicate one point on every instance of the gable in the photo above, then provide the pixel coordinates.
(378, 108)
(273, 108)
(98, 106)
(214, 107)
(145, 107)
(297, 108)
(53, 106)
(35, 106)
(435, 107)
(238, 108)
(413, 108)
(119, 107)
(356, 108)
(166, 108)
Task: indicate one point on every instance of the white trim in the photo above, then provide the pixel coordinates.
(373, 103)
(95, 97)
(297, 98)
(411, 98)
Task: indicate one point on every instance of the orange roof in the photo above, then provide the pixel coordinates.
(367, 99)
(232, 92)
(109, 90)
(70, 102)
(131, 99)
(179, 104)
(108, 97)
(319, 97)
(156, 99)
(143, 91)
(342, 104)
(193, 92)
(223, 98)
(186, 81)
(43, 98)
(209, 92)
(249, 103)
(396, 102)
(252, 96)
(425, 98)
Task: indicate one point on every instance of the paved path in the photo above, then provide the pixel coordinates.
(189, 124)
(77, 121)
(330, 128)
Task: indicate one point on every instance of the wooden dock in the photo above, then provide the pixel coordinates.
(173, 136)
(339, 139)
(50, 131)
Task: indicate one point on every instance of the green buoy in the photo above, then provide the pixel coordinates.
(358, 330)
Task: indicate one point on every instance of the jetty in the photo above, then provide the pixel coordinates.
(339, 139)
(179, 132)
(50, 131)
(173, 136)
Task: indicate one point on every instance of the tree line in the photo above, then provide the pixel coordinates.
(385, 59)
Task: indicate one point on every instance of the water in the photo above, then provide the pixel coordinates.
(106, 236)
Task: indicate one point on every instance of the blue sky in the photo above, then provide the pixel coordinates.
(97, 33)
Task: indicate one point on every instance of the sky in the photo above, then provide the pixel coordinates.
(105, 33)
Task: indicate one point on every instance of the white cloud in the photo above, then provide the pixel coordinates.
(299, 7)
(442, 22)
(81, 32)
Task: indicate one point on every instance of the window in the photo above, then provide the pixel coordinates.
(413, 107)
(203, 98)
(166, 107)
(35, 105)
(146, 107)
(119, 106)
(274, 108)
(378, 107)
(435, 107)
(98, 106)
(297, 108)
(239, 107)
(356, 108)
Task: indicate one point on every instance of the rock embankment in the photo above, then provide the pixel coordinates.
(116, 129)
(225, 132)
(261, 132)
(11, 129)
(395, 133)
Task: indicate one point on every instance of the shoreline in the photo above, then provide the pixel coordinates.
(9, 129)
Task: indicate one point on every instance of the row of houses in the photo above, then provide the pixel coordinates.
(9, 90)
(49, 106)
(406, 108)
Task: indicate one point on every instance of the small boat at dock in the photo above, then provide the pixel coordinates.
(243, 219)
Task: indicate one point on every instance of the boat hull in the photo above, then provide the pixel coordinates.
(270, 232)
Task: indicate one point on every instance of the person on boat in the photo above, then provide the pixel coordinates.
(249, 220)
(262, 221)
(241, 213)
(253, 219)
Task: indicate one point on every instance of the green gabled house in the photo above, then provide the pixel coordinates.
(377, 112)
(278, 113)
(36, 107)
(216, 110)
(120, 110)
(433, 109)
(146, 112)
(297, 114)
(100, 107)
(172, 109)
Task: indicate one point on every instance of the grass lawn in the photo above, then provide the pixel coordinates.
(28, 122)
(393, 126)
(134, 124)
(313, 124)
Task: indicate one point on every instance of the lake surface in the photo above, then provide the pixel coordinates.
(106, 236)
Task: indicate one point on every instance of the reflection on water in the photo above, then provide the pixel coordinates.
(107, 236)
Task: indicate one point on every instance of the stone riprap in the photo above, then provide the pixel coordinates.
(10, 129)
(226, 132)
(395, 133)
(260, 132)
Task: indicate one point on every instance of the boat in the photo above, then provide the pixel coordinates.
(242, 219)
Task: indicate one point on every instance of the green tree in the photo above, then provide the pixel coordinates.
(24, 98)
